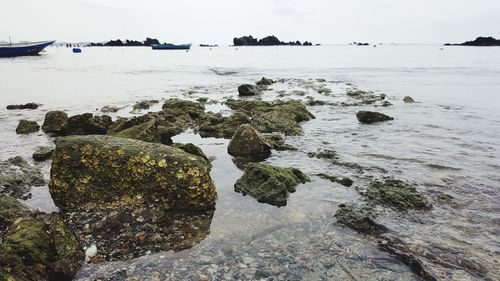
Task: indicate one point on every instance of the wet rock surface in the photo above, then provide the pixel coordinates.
(269, 184)
(345, 181)
(86, 124)
(145, 104)
(408, 99)
(369, 117)
(30, 105)
(43, 153)
(249, 90)
(54, 122)
(93, 172)
(17, 177)
(27, 127)
(358, 218)
(248, 142)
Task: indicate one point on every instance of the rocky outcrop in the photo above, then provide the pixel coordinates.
(249, 143)
(191, 149)
(479, 42)
(265, 82)
(54, 122)
(92, 172)
(43, 153)
(266, 41)
(10, 211)
(369, 117)
(396, 194)
(144, 105)
(30, 105)
(269, 184)
(218, 126)
(358, 218)
(87, 124)
(249, 90)
(17, 177)
(27, 127)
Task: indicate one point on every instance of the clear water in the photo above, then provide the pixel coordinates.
(446, 143)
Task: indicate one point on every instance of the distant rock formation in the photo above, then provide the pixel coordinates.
(479, 42)
(266, 41)
(128, 43)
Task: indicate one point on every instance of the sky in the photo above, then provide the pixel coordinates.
(218, 21)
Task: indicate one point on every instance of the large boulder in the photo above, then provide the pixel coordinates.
(369, 117)
(396, 194)
(248, 142)
(265, 82)
(92, 172)
(39, 247)
(43, 153)
(17, 177)
(269, 184)
(30, 105)
(249, 90)
(87, 124)
(27, 127)
(54, 122)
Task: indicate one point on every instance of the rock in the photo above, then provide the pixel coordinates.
(408, 99)
(30, 105)
(249, 143)
(54, 122)
(147, 132)
(358, 218)
(264, 82)
(345, 181)
(369, 117)
(26, 127)
(146, 104)
(479, 42)
(386, 103)
(396, 194)
(17, 177)
(43, 153)
(266, 41)
(92, 172)
(215, 125)
(277, 142)
(39, 247)
(269, 184)
(191, 149)
(249, 90)
(10, 211)
(110, 109)
(333, 157)
(87, 124)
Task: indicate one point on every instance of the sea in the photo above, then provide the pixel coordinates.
(447, 144)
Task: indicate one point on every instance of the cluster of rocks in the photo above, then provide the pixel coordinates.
(128, 43)
(266, 41)
(479, 42)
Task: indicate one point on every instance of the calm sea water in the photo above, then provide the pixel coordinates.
(446, 143)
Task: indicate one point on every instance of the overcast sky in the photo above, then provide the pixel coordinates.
(218, 21)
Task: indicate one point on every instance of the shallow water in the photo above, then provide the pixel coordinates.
(446, 143)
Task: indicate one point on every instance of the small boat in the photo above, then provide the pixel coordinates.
(23, 49)
(171, 47)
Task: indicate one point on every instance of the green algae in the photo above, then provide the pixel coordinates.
(396, 194)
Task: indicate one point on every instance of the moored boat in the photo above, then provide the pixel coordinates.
(23, 49)
(171, 47)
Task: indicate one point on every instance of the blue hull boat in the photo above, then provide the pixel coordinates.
(23, 49)
(171, 47)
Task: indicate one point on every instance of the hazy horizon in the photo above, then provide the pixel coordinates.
(219, 21)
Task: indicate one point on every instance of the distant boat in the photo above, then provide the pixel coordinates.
(23, 49)
(171, 47)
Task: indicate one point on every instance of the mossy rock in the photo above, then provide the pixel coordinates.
(217, 126)
(145, 104)
(87, 124)
(39, 247)
(248, 142)
(27, 127)
(358, 218)
(17, 177)
(396, 194)
(92, 172)
(147, 132)
(10, 211)
(191, 149)
(269, 184)
(43, 153)
(369, 117)
(332, 157)
(179, 107)
(54, 122)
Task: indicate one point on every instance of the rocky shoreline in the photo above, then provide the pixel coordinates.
(479, 42)
(126, 189)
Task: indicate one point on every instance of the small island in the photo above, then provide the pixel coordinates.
(479, 42)
(128, 43)
(266, 41)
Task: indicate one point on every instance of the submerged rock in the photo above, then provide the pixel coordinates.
(333, 157)
(396, 194)
(265, 82)
(269, 184)
(54, 122)
(345, 181)
(87, 124)
(249, 90)
(43, 153)
(248, 142)
(26, 127)
(369, 117)
(145, 104)
(278, 143)
(17, 177)
(358, 218)
(215, 125)
(30, 105)
(39, 247)
(408, 99)
(92, 172)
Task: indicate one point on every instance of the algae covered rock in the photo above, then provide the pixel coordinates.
(87, 124)
(369, 117)
(10, 211)
(345, 181)
(17, 177)
(396, 194)
(143, 105)
(358, 218)
(92, 172)
(249, 90)
(39, 247)
(43, 153)
(269, 184)
(191, 149)
(278, 143)
(27, 127)
(215, 125)
(248, 142)
(54, 122)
